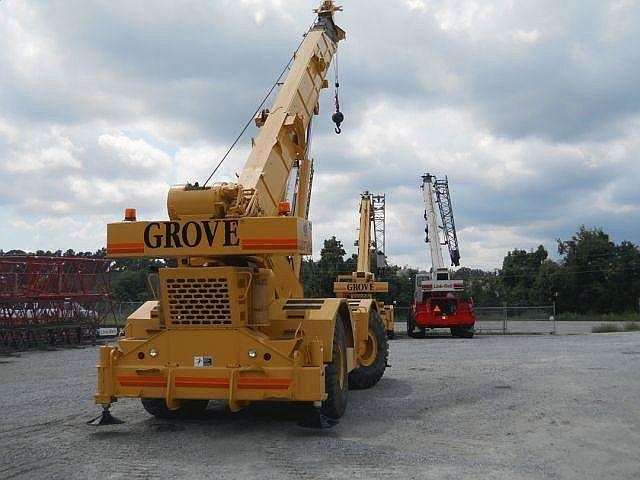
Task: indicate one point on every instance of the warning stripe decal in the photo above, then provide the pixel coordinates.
(125, 248)
(143, 381)
(203, 382)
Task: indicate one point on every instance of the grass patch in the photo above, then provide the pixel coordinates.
(606, 328)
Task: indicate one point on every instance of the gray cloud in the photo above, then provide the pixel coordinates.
(531, 109)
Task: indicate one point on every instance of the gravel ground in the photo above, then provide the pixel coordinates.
(492, 407)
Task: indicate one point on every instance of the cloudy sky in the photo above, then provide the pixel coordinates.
(531, 108)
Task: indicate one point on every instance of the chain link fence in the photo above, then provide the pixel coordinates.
(513, 320)
(489, 320)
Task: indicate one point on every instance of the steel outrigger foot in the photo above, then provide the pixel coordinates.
(317, 421)
(105, 418)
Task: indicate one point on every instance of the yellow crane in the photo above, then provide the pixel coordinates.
(230, 321)
(361, 285)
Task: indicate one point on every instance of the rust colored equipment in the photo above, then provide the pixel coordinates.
(48, 301)
(230, 322)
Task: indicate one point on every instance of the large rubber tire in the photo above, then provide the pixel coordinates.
(367, 375)
(335, 376)
(411, 326)
(462, 332)
(188, 408)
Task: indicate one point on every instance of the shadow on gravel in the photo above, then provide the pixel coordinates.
(217, 416)
(388, 387)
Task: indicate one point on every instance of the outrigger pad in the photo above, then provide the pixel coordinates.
(317, 421)
(105, 418)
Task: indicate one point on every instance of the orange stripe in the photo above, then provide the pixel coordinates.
(125, 248)
(202, 382)
(143, 381)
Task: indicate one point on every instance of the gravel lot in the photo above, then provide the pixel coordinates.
(492, 407)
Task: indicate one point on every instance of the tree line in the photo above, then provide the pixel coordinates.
(592, 275)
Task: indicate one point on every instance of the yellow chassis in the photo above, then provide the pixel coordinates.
(238, 365)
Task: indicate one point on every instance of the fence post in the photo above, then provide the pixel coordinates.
(504, 318)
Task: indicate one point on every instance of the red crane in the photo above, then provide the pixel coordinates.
(51, 300)
(437, 297)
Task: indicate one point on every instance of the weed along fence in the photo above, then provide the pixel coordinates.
(513, 320)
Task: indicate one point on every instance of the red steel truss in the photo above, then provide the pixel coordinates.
(51, 300)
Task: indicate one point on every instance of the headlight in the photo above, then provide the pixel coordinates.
(252, 353)
(153, 352)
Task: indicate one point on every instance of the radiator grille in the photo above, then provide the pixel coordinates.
(198, 301)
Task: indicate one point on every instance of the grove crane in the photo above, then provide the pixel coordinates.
(230, 321)
(361, 284)
(437, 297)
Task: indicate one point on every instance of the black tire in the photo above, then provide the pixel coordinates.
(188, 408)
(335, 376)
(366, 376)
(462, 332)
(411, 326)
(467, 332)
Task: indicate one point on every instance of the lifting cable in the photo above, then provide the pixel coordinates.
(337, 117)
(275, 84)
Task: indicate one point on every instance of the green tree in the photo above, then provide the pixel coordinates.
(518, 275)
(318, 277)
(129, 278)
(587, 260)
(131, 286)
(483, 287)
(547, 284)
(624, 278)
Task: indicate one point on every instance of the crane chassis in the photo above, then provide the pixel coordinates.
(230, 321)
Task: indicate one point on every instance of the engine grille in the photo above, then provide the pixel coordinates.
(214, 297)
(198, 300)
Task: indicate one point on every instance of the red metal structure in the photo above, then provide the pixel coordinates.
(51, 300)
(437, 297)
(438, 305)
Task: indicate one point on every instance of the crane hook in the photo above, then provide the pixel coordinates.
(337, 118)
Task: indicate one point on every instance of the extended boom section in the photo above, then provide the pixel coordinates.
(229, 322)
